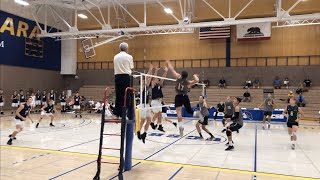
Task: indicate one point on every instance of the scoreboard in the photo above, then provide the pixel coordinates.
(34, 47)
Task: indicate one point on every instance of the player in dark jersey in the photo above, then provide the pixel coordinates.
(22, 98)
(228, 112)
(51, 96)
(47, 110)
(38, 101)
(204, 117)
(182, 87)
(293, 114)
(14, 101)
(76, 104)
(145, 114)
(2, 101)
(63, 101)
(237, 123)
(44, 98)
(157, 96)
(21, 116)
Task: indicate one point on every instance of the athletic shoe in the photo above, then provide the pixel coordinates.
(223, 130)
(11, 136)
(152, 126)
(11, 112)
(139, 135)
(263, 128)
(269, 126)
(80, 116)
(181, 131)
(9, 142)
(51, 124)
(175, 124)
(143, 137)
(227, 144)
(76, 116)
(211, 138)
(2, 113)
(37, 125)
(229, 148)
(293, 146)
(160, 128)
(201, 138)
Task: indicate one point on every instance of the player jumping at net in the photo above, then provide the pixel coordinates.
(237, 119)
(203, 116)
(21, 116)
(145, 112)
(293, 114)
(48, 110)
(157, 96)
(182, 87)
(268, 109)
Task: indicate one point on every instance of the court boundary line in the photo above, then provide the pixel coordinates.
(283, 176)
(176, 173)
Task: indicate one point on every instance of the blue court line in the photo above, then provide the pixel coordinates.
(255, 153)
(132, 166)
(176, 173)
(72, 170)
(79, 144)
(167, 146)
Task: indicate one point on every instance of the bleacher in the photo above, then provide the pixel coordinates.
(215, 95)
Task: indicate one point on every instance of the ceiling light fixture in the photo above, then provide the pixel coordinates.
(83, 16)
(21, 2)
(168, 10)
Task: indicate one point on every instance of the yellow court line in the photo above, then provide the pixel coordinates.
(165, 163)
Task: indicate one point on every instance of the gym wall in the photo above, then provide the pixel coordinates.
(284, 42)
(26, 63)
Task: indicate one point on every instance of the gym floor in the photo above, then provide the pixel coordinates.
(69, 151)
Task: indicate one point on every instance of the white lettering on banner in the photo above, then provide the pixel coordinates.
(171, 112)
(2, 44)
(277, 116)
(219, 113)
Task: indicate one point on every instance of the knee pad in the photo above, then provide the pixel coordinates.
(228, 132)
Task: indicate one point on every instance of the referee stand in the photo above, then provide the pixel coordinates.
(126, 135)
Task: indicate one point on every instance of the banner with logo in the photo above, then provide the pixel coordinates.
(20, 47)
(247, 114)
(255, 31)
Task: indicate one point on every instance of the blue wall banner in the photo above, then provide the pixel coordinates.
(248, 114)
(19, 47)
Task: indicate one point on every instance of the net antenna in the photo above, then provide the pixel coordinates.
(89, 47)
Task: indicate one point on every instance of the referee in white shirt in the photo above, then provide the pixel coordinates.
(123, 65)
